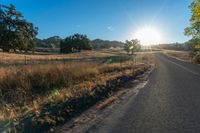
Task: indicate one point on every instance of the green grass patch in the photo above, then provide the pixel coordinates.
(116, 59)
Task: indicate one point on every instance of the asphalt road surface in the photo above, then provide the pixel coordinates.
(169, 103)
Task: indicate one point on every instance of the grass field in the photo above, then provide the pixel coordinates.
(181, 55)
(7, 59)
(37, 89)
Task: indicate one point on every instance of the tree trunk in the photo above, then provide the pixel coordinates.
(5, 50)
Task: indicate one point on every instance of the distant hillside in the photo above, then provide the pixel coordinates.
(102, 44)
(187, 46)
(51, 42)
(54, 42)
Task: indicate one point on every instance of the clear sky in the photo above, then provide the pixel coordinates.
(106, 19)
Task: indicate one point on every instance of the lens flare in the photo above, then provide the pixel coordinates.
(148, 35)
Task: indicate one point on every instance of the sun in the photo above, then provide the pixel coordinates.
(148, 35)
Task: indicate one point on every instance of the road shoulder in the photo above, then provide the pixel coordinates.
(106, 111)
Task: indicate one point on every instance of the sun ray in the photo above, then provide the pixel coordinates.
(148, 35)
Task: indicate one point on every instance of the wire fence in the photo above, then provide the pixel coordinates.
(26, 60)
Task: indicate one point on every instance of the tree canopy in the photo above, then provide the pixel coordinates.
(15, 31)
(75, 43)
(132, 46)
(194, 29)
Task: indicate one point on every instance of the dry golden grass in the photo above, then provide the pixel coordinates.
(26, 89)
(38, 79)
(182, 55)
(186, 56)
(12, 58)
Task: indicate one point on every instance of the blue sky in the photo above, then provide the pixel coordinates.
(106, 19)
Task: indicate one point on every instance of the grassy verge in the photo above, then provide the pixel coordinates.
(35, 98)
(187, 56)
(181, 55)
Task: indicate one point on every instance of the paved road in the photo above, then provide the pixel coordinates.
(169, 103)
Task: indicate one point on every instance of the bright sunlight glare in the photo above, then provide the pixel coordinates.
(148, 35)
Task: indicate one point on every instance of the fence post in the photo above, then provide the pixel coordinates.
(25, 60)
(133, 62)
(121, 62)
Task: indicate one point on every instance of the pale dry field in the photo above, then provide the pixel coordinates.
(12, 58)
(180, 55)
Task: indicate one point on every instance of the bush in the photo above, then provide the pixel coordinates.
(196, 57)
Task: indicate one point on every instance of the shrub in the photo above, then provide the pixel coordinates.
(196, 57)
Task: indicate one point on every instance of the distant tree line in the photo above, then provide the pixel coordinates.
(105, 44)
(15, 32)
(78, 42)
(75, 43)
